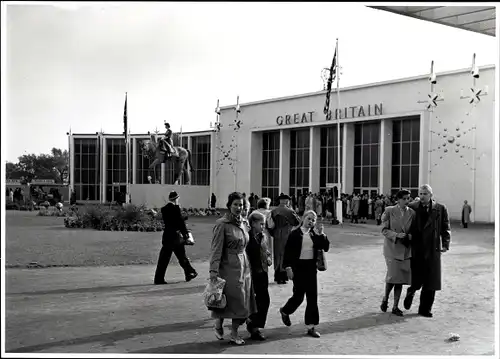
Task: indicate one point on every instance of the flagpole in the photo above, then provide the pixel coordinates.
(126, 151)
(339, 161)
(182, 179)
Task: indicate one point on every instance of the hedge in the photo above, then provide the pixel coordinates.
(125, 218)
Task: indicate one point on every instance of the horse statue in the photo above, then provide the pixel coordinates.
(153, 150)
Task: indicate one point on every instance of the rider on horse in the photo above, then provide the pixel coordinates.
(168, 146)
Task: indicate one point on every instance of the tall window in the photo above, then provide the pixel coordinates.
(329, 156)
(405, 154)
(366, 156)
(270, 165)
(200, 151)
(87, 169)
(116, 165)
(142, 163)
(299, 160)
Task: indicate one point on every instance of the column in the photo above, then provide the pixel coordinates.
(385, 157)
(284, 173)
(213, 163)
(162, 170)
(134, 160)
(255, 165)
(314, 154)
(71, 163)
(103, 169)
(348, 158)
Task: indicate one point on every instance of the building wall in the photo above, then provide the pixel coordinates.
(450, 177)
(156, 195)
(105, 172)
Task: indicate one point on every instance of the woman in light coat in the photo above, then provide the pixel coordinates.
(229, 261)
(397, 226)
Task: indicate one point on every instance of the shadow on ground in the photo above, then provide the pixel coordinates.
(275, 334)
(168, 291)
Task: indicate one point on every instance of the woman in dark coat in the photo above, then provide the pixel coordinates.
(301, 254)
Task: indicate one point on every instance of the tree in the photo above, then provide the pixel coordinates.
(61, 164)
(45, 166)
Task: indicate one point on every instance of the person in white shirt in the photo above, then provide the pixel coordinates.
(300, 263)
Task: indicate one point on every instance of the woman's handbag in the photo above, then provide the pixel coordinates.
(321, 260)
(213, 296)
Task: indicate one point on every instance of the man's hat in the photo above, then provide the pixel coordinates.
(173, 196)
(284, 196)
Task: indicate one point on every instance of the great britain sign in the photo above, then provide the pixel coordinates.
(345, 113)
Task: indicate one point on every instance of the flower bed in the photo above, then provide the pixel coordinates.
(126, 218)
(108, 218)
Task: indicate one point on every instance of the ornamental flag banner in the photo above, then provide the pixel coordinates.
(125, 118)
(332, 76)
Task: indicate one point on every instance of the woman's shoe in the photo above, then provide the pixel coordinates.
(397, 311)
(313, 333)
(236, 341)
(219, 333)
(384, 305)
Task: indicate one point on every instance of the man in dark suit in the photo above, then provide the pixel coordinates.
(171, 242)
(431, 237)
(284, 219)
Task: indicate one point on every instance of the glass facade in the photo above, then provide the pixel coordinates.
(366, 156)
(299, 160)
(87, 172)
(270, 165)
(116, 164)
(329, 156)
(200, 152)
(405, 154)
(142, 163)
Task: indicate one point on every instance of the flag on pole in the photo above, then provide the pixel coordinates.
(333, 70)
(125, 119)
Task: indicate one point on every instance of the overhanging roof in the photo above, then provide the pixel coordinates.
(479, 19)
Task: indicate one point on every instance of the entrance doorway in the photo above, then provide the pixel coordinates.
(118, 191)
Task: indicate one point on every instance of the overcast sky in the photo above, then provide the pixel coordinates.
(70, 65)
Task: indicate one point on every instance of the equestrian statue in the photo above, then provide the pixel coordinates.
(163, 150)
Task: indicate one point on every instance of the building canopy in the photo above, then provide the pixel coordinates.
(480, 19)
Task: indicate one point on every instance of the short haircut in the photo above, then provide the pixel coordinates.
(402, 192)
(426, 187)
(233, 197)
(256, 216)
(306, 213)
(263, 202)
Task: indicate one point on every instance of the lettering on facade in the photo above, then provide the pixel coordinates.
(296, 118)
(341, 113)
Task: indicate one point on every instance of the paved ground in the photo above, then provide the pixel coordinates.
(115, 309)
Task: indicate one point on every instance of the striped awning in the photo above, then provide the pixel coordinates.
(480, 19)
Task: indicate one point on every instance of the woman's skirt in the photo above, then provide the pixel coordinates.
(398, 272)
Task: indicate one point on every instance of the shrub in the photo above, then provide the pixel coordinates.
(108, 218)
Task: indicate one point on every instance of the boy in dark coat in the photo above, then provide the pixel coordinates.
(259, 257)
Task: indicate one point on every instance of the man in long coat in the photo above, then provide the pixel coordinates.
(431, 237)
(466, 211)
(284, 219)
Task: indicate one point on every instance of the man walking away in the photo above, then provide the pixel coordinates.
(171, 242)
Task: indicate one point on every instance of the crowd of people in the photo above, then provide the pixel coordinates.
(248, 240)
